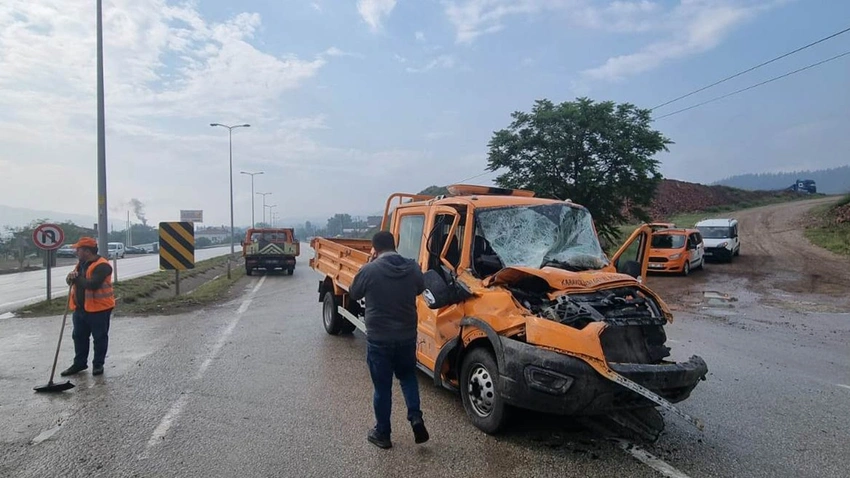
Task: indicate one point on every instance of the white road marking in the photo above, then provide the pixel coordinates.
(46, 434)
(843, 386)
(650, 460)
(176, 409)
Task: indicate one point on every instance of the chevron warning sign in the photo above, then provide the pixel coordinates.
(176, 246)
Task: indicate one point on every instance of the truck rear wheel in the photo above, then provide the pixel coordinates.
(479, 391)
(335, 324)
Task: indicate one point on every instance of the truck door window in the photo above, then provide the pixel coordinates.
(410, 229)
(439, 237)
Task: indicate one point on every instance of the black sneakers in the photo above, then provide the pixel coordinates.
(97, 370)
(73, 369)
(379, 440)
(420, 433)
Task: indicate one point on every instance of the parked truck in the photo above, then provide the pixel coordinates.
(270, 249)
(522, 308)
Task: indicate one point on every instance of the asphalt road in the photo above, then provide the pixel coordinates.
(254, 387)
(17, 290)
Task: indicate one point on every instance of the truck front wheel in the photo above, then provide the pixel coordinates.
(479, 391)
(334, 322)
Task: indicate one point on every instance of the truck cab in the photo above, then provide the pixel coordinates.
(522, 307)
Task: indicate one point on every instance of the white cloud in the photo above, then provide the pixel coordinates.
(169, 72)
(374, 11)
(689, 27)
(694, 27)
(420, 36)
(442, 62)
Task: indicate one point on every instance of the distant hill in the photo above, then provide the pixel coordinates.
(829, 181)
(18, 216)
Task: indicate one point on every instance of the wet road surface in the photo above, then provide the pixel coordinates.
(255, 387)
(18, 290)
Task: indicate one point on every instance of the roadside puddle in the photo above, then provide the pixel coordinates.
(718, 304)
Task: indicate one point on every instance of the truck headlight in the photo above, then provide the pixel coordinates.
(676, 256)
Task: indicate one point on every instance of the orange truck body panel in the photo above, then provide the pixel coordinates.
(496, 310)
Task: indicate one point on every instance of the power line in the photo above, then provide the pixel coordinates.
(751, 69)
(754, 86)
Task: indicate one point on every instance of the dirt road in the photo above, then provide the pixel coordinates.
(777, 265)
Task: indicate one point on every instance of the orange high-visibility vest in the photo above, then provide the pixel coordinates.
(97, 300)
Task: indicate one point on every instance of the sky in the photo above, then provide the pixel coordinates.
(349, 101)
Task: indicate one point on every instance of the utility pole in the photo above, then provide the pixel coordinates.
(102, 218)
(264, 205)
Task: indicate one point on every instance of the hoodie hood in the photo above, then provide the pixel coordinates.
(395, 265)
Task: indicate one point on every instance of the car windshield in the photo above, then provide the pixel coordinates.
(668, 241)
(113, 246)
(715, 232)
(534, 236)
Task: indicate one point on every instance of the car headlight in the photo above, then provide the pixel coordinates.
(723, 244)
(676, 256)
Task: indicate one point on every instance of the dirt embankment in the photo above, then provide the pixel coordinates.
(776, 260)
(676, 197)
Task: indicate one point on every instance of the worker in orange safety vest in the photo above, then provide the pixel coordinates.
(92, 299)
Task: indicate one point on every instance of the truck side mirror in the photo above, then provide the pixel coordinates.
(440, 293)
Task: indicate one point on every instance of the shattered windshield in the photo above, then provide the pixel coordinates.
(557, 235)
(715, 232)
(668, 241)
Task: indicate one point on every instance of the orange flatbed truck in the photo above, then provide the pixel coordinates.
(522, 308)
(270, 249)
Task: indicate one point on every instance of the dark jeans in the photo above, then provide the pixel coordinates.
(96, 326)
(384, 359)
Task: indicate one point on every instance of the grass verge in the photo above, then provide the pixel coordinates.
(137, 295)
(826, 232)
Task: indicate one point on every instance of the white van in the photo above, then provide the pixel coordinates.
(720, 237)
(116, 250)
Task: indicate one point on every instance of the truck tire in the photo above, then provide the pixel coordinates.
(479, 391)
(335, 324)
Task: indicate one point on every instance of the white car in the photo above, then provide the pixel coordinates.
(116, 250)
(721, 238)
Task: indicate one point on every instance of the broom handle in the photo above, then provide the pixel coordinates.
(62, 332)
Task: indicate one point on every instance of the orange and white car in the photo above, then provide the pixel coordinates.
(676, 250)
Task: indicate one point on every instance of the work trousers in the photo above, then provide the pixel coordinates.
(386, 359)
(96, 326)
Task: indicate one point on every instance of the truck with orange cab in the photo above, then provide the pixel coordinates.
(676, 251)
(270, 249)
(522, 307)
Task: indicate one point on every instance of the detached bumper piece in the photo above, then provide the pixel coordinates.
(550, 382)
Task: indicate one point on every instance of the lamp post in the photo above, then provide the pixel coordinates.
(230, 138)
(271, 221)
(264, 205)
(253, 222)
(102, 219)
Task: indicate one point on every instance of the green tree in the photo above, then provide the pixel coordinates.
(338, 223)
(599, 155)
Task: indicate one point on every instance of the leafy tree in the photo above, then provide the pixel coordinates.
(338, 223)
(203, 242)
(599, 155)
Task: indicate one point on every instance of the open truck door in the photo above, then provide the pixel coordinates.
(633, 256)
(442, 287)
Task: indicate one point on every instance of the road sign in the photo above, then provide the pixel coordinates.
(191, 215)
(176, 246)
(48, 237)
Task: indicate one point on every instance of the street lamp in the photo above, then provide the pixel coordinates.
(253, 222)
(270, 214)
(264, 205)
(230, 138)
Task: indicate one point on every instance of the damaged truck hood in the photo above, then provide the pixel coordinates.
(559, 279)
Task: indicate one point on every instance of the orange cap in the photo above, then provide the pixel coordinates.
(85, 242)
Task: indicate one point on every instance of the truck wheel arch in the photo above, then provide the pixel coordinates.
(454, 350)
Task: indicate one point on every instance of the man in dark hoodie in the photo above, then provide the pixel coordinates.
(390, 284)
